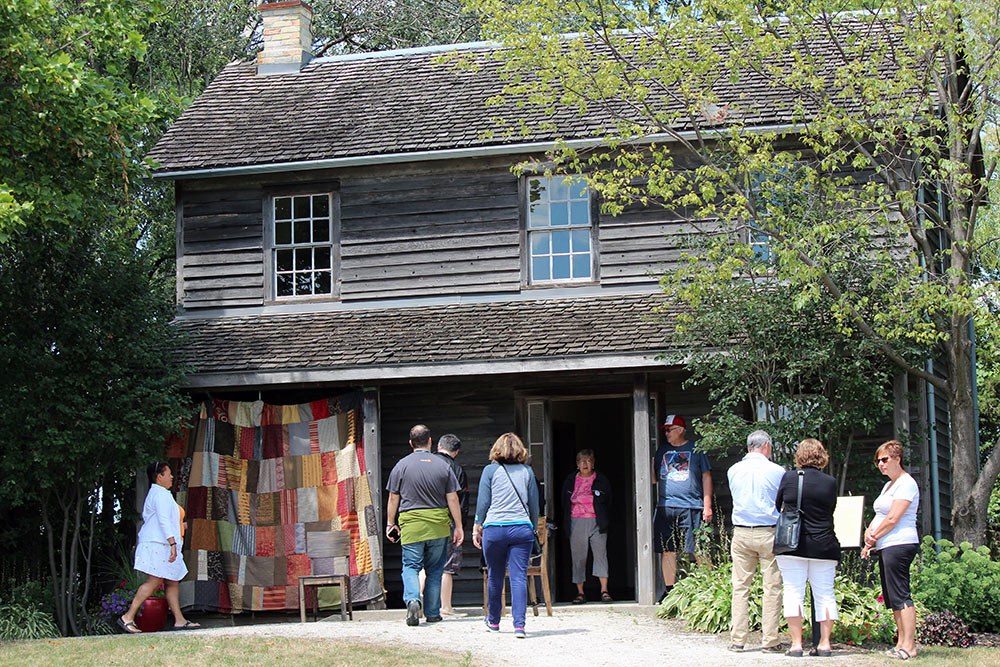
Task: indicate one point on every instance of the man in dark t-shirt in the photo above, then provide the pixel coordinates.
(423, 490)
(448, 448)
(683, 479)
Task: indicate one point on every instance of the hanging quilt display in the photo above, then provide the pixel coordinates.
(259, 484)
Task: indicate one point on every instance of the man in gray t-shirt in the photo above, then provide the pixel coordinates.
(423, 490)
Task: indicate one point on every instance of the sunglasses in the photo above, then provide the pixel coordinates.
(884, 459)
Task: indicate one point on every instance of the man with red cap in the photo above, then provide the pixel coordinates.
(683, 479)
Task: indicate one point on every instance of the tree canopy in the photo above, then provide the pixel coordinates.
(878, 111)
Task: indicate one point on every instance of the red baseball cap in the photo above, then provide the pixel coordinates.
(673, 420)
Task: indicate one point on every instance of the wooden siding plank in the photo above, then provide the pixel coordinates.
(349, 293)
(425, 270)
(192, 273)
(245, 231)
(212, 259)
(433, 222)
(195, 295)
(466, 203)
(229, 282)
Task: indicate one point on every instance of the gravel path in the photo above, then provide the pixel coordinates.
(619, 634)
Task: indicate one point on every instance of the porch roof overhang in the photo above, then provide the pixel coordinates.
(597, 333)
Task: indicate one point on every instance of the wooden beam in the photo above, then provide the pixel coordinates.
(373, 451)
(642, 452)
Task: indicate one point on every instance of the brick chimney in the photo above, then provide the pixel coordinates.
(287, 37)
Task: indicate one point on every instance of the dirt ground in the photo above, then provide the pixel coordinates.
(592, 635)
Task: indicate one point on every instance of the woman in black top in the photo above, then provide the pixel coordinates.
(815, 560)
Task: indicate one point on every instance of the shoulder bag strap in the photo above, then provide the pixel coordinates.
(798, 496)
(523, 506)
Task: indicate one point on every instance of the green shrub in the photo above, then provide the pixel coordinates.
(704, 599)
(862, 615)
(960, 579)
(21, 621)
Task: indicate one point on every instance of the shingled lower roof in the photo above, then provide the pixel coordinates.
(414, 101)
(433, 340)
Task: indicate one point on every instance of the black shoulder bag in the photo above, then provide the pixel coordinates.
(786, 534)
(536, 548)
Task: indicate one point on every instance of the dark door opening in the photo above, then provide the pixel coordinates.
(605, 426)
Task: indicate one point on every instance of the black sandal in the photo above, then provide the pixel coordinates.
(579, 599)
(606, 597)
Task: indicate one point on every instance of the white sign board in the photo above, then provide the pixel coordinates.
(849, 521)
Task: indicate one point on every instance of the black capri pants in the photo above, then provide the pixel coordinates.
(894, 570)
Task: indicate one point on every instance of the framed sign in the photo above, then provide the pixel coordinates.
(849, 521)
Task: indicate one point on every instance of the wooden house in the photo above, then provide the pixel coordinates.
(350, 223)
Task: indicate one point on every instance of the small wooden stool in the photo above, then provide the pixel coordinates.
(319, 580)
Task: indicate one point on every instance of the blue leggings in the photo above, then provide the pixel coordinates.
(507, 549)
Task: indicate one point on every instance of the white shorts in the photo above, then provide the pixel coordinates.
(795, 572)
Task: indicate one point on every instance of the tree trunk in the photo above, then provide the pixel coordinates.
(968, 514)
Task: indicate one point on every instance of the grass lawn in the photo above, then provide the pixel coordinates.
(190, 649)
(938, 656)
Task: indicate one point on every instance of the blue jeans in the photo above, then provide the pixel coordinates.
(430, 556)
(507, 549)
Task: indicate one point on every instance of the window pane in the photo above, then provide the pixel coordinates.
(303, 283)
(303, 259)
(539, 243)
(560, 267)
(538, 215)
(581, 240)
(558, 189)
(581, 266)
(321, 206)
(321, 230)
(540, 268)
(323, 282)
(580, 213)
(282, 208)
(282, 233)
(560, 214)
(284, 284)
(578, 189)
(301, 207)
(284, 260)
(560, 242)
(322, 258)
(301, 231)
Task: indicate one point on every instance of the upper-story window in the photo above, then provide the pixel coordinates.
(560, 230)
(303, 252)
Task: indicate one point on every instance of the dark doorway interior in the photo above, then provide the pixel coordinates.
(605, 426)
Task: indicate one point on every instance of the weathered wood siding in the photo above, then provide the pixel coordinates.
(429, 229)
(426, 229)
(220, 258)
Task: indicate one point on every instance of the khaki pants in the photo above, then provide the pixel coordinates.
(750, 547)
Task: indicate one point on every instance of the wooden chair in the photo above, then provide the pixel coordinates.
(539, 571)
(332, 544)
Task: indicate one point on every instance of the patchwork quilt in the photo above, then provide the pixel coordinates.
(266, 488)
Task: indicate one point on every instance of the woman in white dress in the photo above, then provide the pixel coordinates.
(158, 550)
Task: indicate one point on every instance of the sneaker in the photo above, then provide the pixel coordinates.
(519, 633)
(413, 612)
(434, 619)
(737, 648)
(490, 626)
(776, 648)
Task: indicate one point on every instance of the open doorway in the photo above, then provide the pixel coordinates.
(605, 426)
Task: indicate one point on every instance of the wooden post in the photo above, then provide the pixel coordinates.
(645, 570)
(373, 451)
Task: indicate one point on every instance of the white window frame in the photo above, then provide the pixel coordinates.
(531, 229)
(279, 242)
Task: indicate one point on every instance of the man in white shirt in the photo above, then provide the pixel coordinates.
(754, 483)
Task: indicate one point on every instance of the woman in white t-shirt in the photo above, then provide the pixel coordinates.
(893, 533)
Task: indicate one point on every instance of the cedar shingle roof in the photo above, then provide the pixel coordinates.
(523, 330)
(400, 102)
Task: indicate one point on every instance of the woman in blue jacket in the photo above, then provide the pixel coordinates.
(506, 516)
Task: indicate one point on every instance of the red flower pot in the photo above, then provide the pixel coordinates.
(152, 615)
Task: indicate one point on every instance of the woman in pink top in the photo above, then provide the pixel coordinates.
(586, 498)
